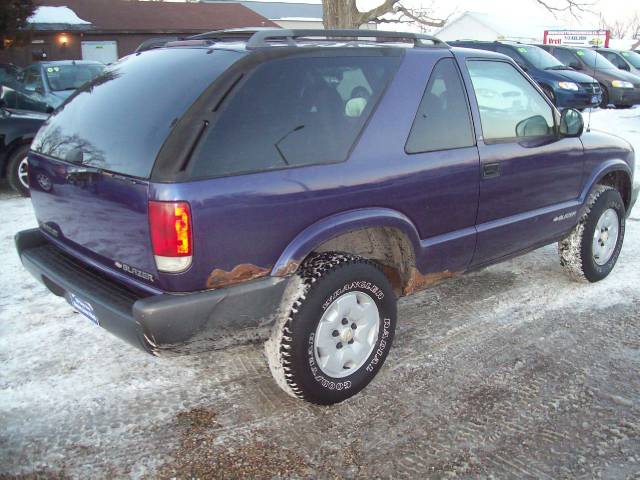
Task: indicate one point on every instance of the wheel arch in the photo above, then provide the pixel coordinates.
(383, 235)
(614, 173)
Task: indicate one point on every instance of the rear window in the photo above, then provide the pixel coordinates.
(119, 121)
(293, 112)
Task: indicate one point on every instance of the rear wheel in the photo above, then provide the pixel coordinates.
(591, 250)
(336, 331)
(17, 171)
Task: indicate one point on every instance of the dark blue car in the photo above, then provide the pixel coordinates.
(562, 84)
(242, 186)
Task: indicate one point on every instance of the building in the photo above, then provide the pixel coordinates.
(106, 30)
(481, 26)
(285, 14)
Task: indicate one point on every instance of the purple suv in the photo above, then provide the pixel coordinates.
(289, 186)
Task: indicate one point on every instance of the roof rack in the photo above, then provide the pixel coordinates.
(259, 38)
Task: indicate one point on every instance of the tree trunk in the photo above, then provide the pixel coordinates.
(341, 14)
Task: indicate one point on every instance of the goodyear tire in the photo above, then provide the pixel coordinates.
(336, 331)
(591, 250)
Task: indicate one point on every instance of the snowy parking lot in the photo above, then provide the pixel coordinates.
(512, 371)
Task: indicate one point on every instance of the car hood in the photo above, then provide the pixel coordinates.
(27, 114)
(573, 76)
(621, 75)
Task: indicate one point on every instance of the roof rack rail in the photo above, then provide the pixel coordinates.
(259, 37)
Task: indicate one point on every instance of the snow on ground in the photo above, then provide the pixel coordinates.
(513, 371)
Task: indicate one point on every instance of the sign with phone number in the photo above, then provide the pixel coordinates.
(577, 38)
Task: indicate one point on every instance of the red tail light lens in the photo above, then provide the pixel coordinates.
(170, 225)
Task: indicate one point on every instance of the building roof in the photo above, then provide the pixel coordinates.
(158, 17)
(281, 10)
(504, 28)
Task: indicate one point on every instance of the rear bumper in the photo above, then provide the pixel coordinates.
(158, 324)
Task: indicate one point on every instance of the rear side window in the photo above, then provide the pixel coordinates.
(443, 120)
(119, 121)
(293, 112)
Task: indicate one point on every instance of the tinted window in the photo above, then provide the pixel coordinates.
(71, 76)
(292, 112)
(442, 121)
(509, 105)
(120, 120)
(592, 58)
(535, 56)
(615, 59)
(633, 58)
(565, 56)
(32, 78)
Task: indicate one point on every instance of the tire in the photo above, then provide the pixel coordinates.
(306, 357)
(549, 93)
(604, 102)
(16, 170)
(586, 257)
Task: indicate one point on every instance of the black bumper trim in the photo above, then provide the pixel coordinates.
(166, 323)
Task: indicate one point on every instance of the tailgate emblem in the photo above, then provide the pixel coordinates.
(134, 271)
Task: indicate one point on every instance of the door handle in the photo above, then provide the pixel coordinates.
(490, 170)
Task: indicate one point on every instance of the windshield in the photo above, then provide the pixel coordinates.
(594, 59)
(72, 76)
(119, 121)
(539, 58)
(633, 58)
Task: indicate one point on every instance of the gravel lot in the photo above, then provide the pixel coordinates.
(513, 371)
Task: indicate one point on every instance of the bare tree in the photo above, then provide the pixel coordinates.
(621, 28)
(345, 13)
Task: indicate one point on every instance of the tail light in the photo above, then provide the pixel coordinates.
(170, 225)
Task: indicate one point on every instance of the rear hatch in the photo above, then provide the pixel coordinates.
(91, 162)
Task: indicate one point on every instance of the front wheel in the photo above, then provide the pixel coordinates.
(18, 171)
(549, 93)
(336, 330)
(591, 250)
(604, 102)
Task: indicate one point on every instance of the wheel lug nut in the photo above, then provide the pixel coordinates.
(335, 333)
(339, 345)
(354, 326)
(345, 321)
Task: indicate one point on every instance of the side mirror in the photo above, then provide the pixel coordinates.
(576, 65)
(535, 126)
(624, 66)
(39, 89)
(571, 123)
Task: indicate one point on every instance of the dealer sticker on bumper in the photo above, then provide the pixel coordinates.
(83, 307)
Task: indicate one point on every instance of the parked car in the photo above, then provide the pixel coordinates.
(619, 88)
(51, 83)
(280, 187)
(626, 60)
(17, 129)
(563, 85)
(9, 74)
(19, 99)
